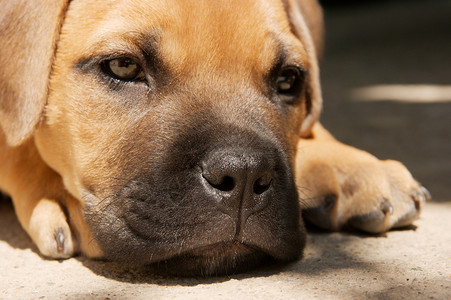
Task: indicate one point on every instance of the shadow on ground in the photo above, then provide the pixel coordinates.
(391, 43)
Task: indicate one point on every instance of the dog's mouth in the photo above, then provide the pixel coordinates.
(226, 258)
(216, 202)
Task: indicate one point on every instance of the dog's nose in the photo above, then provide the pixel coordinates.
(239, 181)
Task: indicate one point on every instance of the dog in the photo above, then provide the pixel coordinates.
(180, 133)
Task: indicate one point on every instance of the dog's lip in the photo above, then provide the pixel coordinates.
(217, 259)
(207, 249)
(227, 247)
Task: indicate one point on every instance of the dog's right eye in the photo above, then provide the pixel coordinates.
(289, 82)
(123, 68)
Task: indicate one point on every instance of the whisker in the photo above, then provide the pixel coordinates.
(100, 190)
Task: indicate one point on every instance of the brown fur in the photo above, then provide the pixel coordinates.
(209, 65)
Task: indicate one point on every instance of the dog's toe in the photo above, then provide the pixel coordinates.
(376, 221)
(413, 207)
(400, 211)
(57, 246)
(50, 231)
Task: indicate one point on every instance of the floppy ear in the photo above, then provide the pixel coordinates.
(306, 21)
(28, 34)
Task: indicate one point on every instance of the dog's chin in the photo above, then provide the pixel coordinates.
(226, 258)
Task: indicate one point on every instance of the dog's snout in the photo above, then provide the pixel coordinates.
(239, 181)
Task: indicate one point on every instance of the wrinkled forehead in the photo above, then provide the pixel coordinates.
(188, 35)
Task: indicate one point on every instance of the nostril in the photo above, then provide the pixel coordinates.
(262, 184)
(225, 184)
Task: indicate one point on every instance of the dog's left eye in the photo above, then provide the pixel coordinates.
(289, 82)
(123, 68)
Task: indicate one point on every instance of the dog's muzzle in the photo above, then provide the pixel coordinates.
(212, 202)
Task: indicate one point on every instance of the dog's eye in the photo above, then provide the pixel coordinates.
(122, 68)
(289, 82)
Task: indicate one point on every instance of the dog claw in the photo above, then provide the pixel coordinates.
(386, 207)
(420, 197)
(426, 193)
(59, 237)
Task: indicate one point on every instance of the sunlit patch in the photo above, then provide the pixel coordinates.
(417, 93)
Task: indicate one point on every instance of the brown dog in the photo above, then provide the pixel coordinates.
(182, 131)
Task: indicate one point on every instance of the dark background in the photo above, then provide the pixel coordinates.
(391, 42)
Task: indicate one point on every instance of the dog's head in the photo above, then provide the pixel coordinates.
(175, 123)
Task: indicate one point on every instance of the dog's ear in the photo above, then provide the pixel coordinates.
(28, 32)
(306, 21)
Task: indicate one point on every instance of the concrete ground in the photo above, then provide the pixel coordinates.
(410, 264)
(376, 43)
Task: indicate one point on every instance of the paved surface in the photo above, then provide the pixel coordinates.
(409, 264)
(381, 43)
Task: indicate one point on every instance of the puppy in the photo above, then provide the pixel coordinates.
(179, 132)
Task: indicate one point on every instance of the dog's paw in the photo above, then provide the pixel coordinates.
(50, 231)
(341, 186)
